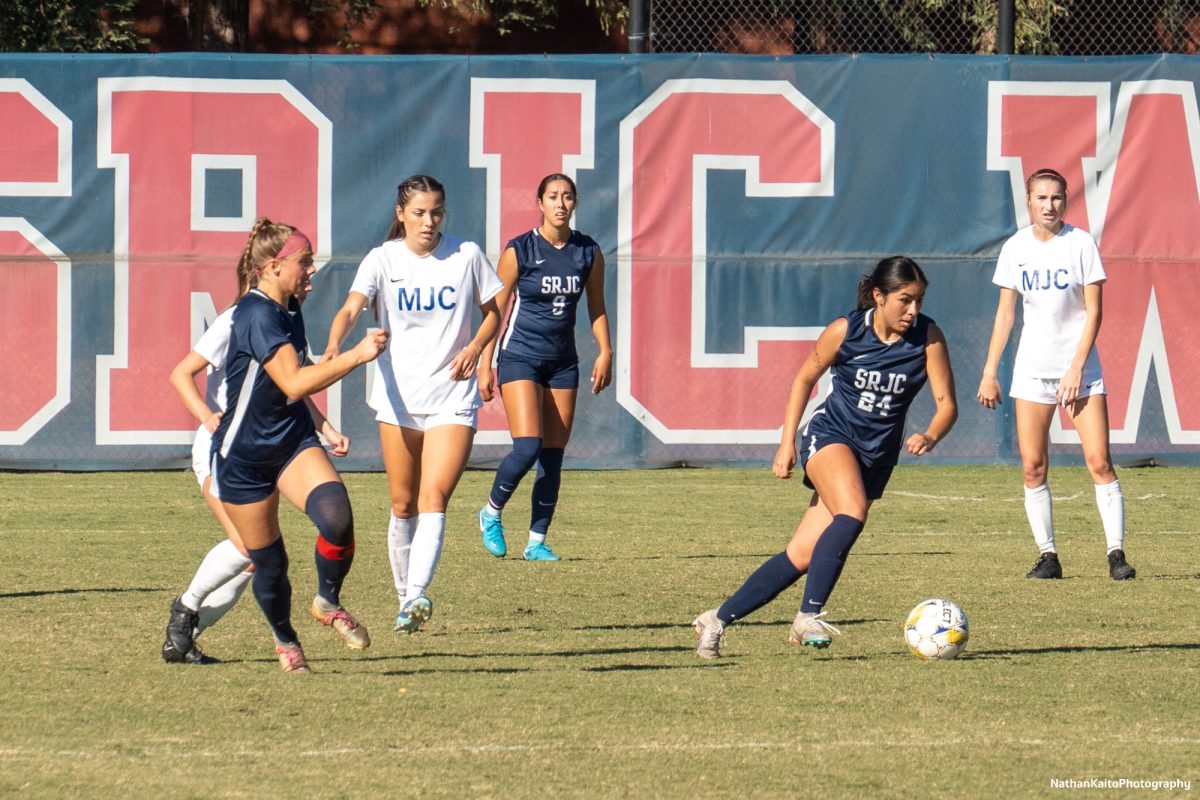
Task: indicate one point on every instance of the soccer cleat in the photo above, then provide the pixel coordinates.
(414, 614)
(180, 638)
(539, 551)
(354, 635)
(1119, 568)
(809, 630)
(711, 629)
(1047, 566)
(493, 533)
(291, 658)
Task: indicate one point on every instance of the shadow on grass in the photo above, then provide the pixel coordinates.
(1114, 648)
(653, 667)
(98, 590)
(658, 557)
(677, 625)
(603, 651)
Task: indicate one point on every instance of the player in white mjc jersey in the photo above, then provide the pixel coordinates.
(1056, 269)
(226, 570)
(424, 288)
(547, 270)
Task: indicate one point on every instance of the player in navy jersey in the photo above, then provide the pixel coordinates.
(1056, 269)
(266, 444)
(226, 570)
(545, 271)
(424, 288)
(881, 355)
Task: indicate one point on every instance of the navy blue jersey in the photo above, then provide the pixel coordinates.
(550, 281)
(260, 425)
(873, 385)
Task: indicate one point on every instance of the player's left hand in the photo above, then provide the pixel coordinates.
(919, 444)
(602, 373)
(1068, 387)
(465, 363)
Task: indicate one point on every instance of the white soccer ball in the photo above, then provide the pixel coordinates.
(936, 629)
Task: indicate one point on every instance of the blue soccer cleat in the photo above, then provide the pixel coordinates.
(416, 612)
(540, 552)
(493, 533)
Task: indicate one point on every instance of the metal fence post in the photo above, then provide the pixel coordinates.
(1006, 27)
(637, 26)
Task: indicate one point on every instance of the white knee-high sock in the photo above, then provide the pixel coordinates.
(1039, 509)
(426, 550)
(400, 539)
(221, 563)
(1111, 503)
(222, 599)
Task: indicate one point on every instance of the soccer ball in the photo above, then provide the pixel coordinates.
(936, 629)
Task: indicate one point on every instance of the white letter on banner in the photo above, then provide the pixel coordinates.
(35, 276)
(167, 139)
(665, 376)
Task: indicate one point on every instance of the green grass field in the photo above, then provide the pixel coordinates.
(579, 679)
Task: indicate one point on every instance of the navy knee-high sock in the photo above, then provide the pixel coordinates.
(328, 506)
(513, 468)
(763, 586)
(828, 558)
(545, 489)
(273, 590)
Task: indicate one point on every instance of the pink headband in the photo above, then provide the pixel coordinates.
(297, 241)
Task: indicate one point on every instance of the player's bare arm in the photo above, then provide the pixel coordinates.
(941, 384)
(989, 385)
(818, 361)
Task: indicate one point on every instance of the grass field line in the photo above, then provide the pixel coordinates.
(282, 748)
(1058, 498)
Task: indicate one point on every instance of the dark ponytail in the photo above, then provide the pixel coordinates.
(889, 275)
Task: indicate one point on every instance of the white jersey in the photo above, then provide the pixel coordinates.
(1050, 277)
(426, 304)
(212, 345)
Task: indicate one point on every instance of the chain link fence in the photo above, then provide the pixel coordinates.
(1042, 27)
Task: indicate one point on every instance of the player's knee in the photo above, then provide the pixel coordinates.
(1101, 469)
(550, 460)
(270, 563)
(1034, 472)
(404, 508)
(525, 452)
(328, 506)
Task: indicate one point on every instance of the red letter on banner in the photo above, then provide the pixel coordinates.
(167, 139)
(35, 304)
(521, 131)
(665, 377)
(1134, 185)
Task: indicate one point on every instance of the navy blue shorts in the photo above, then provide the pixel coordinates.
(875, 476)
(557, 374)
(239, 482)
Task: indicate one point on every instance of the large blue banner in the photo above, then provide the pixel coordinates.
(737, 200)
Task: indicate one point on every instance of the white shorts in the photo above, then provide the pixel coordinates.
(423, 422)
(201, 450)
(1045, 390)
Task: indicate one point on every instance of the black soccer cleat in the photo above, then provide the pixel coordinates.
(180, 638)
(1119, 568)
(1047, 567)
(193, 656)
